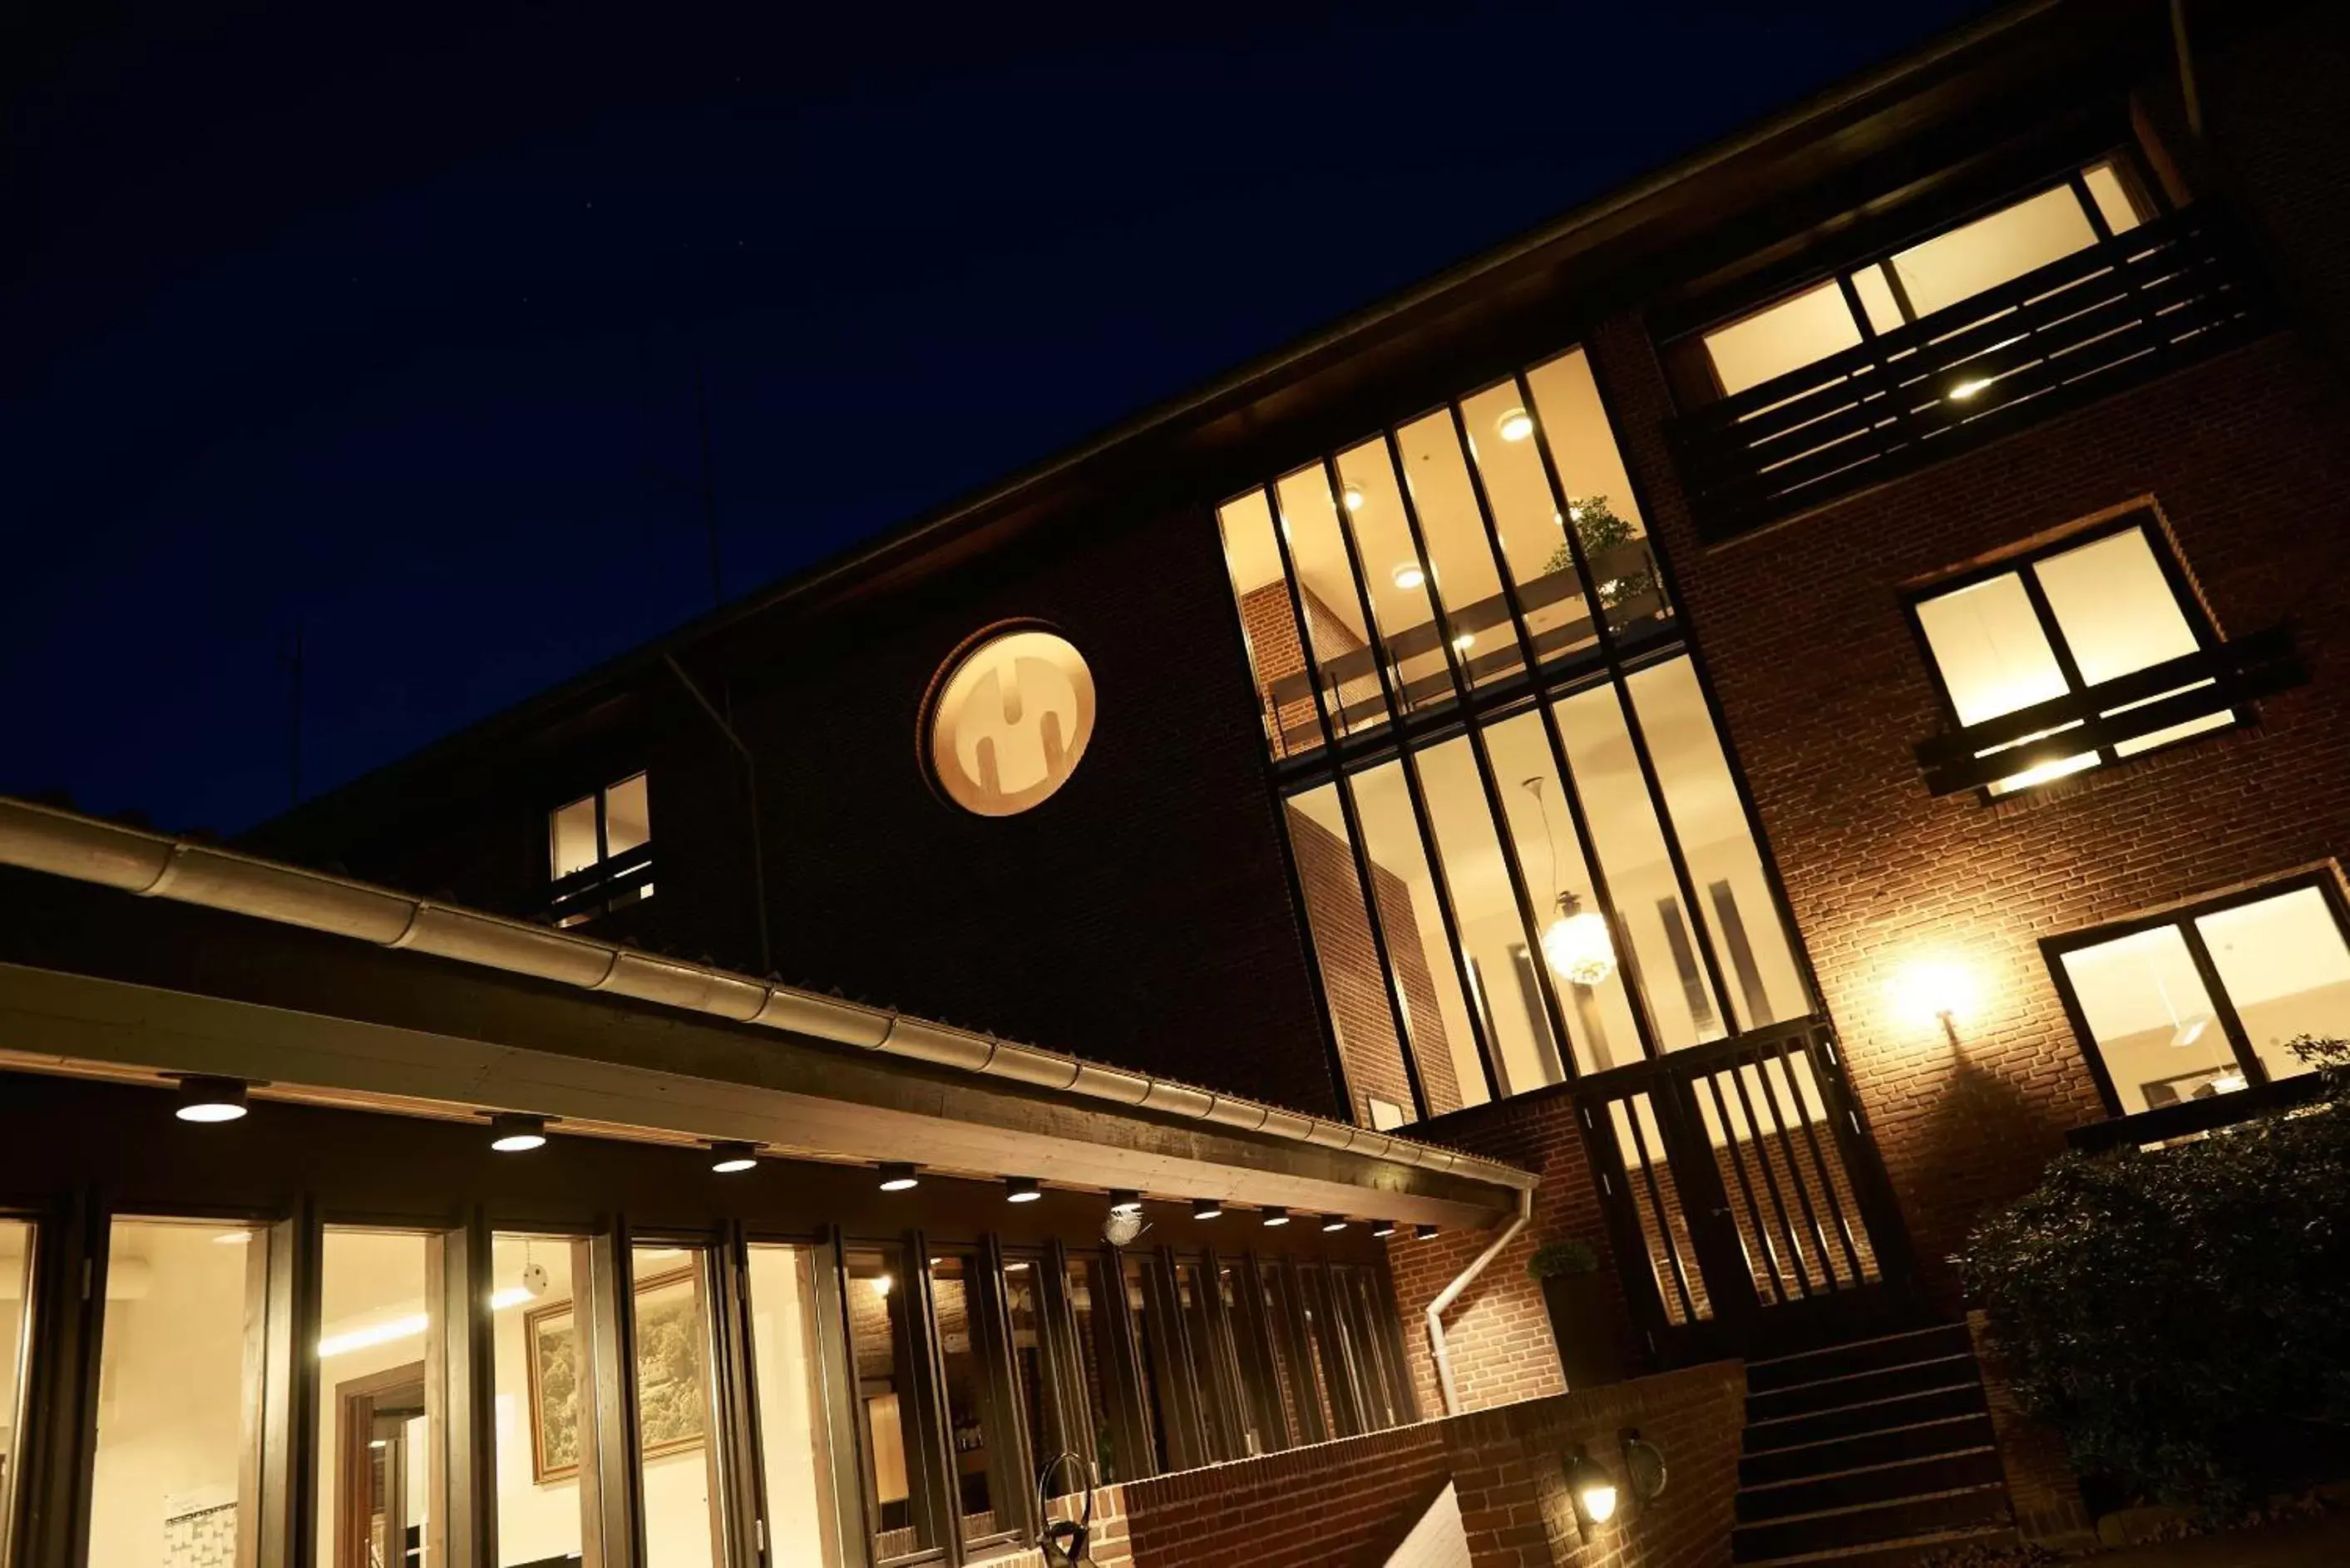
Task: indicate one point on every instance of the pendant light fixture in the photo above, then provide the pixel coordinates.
(1577, 944)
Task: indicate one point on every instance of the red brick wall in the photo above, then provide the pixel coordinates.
(2245, 456)
(1498, 1333)
(1349, 1502)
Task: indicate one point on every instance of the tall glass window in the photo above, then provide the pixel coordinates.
(1024, 1316)
(984, 1515)
(541, 1367)
(180, 1383)
(1090, 1317)
(1508, 880)
(681, 1475)
(880, 1338)
(376, 1411)
(795, 1434)
(15, 1315)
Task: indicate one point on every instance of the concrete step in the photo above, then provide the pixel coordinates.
(1882, 1481)
(1858, 1387)
(1872, 1523)
(1919, 1438)
(1962, 1394)
(1891, 1554)
(1927, 1344)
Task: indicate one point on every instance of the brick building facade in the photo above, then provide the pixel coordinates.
(1735, 1101)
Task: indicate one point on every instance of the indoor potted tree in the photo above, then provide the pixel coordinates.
(1582, 1311)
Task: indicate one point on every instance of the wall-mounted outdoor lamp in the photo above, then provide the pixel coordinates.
(1592, 1489)
(1933, 991)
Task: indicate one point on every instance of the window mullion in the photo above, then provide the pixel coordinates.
(461, 1397)
(2239, 1040)
(742, 1509)
(2067, 665)
(934, 1481)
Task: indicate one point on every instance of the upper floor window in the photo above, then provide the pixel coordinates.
(2086, 651)
(1952, 266)
(2066, 292)
(1454, 551)
(2057, 624)
(2206, 1000)
(599, 852)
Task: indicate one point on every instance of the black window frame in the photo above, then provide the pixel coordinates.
(609, 883)
(1339, 756)
(2237, 672)
(2325, 879)
(1857, 249)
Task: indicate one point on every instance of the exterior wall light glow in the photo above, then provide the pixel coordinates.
(511, 1132)
(1274, 1216)
(1124, 1201)
(732, 1156)
(1516, 425)
(1577, 944)
(1409, 575)
(1592, 1487)
(209, 1099)
(1929, 992)
(1334, 1223)
(1022, 1189)
(1207, 1208)
(899, 1176)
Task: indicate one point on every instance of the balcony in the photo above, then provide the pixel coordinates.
(2110, 316)
(592, 891)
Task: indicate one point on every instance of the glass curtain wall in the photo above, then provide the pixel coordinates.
(1523, 853)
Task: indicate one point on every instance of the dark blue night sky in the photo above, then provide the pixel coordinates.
(377, 317)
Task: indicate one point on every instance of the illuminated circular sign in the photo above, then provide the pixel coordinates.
(1011, 719)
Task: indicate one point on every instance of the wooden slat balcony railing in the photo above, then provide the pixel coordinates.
(598, 890)
(2118, 313)
(2177, 691)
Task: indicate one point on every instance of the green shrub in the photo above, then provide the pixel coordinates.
(2182, 1315)
(1572, 1256)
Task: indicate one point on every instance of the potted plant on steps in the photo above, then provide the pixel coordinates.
(1582, 1311)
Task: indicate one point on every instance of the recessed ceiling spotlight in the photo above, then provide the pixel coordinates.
(899, 1176)
(511, 1132)
(1274, 1216)
(1424, 1232)
(203, 1098)
(730, 1157)
(1383, 1227)
(1333, 1223)
(1464, 642)
(1207, 1208)
(1961, 390)
(1353, 496)
(1516, 425)
(1125, 1201)
(1021, 1189)
(1408, 575)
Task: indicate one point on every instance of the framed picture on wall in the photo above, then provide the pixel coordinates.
(672, 1409)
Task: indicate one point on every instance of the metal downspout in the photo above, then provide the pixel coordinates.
(1451, 1292)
